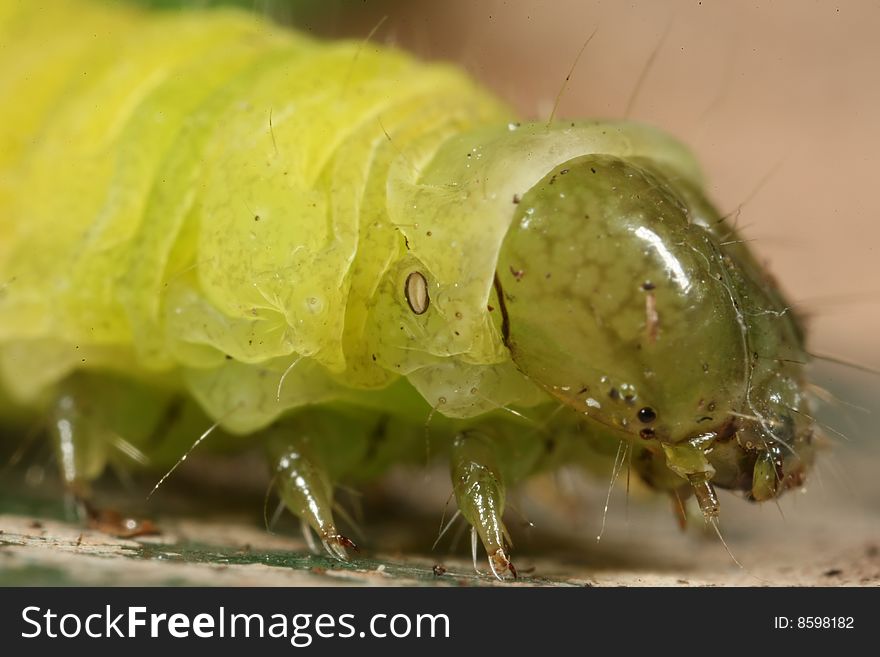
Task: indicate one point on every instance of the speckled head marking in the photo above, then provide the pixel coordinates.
(687, 377)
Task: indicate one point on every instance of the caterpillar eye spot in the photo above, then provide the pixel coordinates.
(646, 414)
(416, 291)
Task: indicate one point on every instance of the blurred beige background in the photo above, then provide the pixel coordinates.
(779, 100)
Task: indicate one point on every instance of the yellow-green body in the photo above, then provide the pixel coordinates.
(182, 189)
(206, 198)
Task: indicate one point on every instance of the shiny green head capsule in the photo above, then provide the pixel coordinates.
(622, 301)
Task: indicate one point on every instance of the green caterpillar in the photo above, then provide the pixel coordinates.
(318, 245)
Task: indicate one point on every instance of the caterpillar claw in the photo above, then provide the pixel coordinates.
(707, 498)
(501, 565)
(335, 550)
(337, 546)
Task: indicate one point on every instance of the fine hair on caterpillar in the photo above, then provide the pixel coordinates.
(328, 248)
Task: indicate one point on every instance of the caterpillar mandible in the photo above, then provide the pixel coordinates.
(317, 245)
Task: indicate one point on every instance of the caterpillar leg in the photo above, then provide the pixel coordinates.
(306, 489)
(480, 493)
(79, 441)
(87, 435)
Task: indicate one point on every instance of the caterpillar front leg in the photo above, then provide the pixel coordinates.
(306, 489)
(479, 490)
(96, 421)
(79, 441)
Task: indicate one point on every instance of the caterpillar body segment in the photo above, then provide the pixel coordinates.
(205, 218)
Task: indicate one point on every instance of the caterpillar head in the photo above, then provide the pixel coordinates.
(620, 299)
